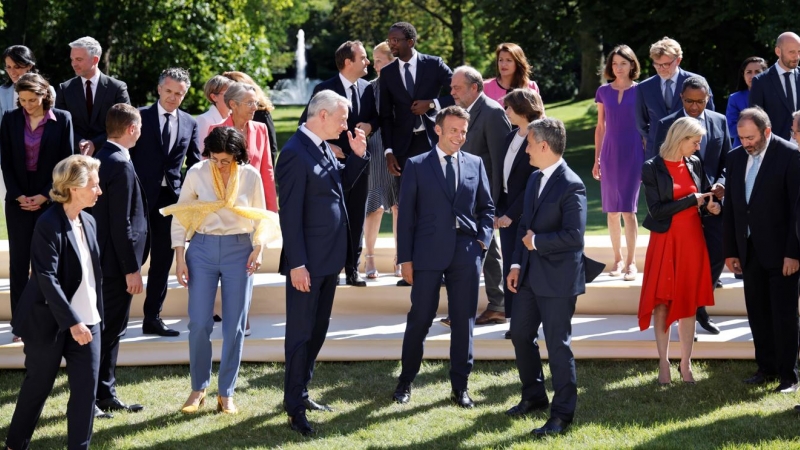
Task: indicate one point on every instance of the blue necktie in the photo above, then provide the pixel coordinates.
(668, 94)
(165, 135)
(410, 89)
(450, 176)
(750, 179)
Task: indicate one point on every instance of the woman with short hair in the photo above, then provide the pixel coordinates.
(214, 91)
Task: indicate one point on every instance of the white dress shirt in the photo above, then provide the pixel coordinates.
(674, 86)
(412, 69)
(443, 162)
(511, 154)
(356, 102)
(95, 79)
(792, 80)
(84, 301)
(173, 127)
(125, 152)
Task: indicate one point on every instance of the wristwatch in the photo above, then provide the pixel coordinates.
(431, 105)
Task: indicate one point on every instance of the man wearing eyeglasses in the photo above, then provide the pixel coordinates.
(776, 89)
(169, 136)
(657, 95)
(714, 147)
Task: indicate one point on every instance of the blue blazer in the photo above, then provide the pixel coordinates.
(44, 308)
(650, 107)
(121, 214)
(426, 223)
(521, 170)
(397, 121)
(558, 220)
(366, 112)
(56, 144)
(71, 96)
(313, 217)
(717, 142)
(736, 103)
(767, 92)
(150, 162)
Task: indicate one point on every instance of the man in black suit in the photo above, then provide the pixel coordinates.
(761, 243)
(352, 62)
(770, 90)
(547, 273)
(714, 148)
(169, 136)
(122, 236)
(89, 95)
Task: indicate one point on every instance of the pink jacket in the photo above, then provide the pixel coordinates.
(496, 93)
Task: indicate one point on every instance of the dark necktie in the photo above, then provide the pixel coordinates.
(410, 89)
(324, 149)
(89, 99)
(789, 90)
(537, 185)
(354, 99)
(165, 135)
(450, 176)
(668, 94)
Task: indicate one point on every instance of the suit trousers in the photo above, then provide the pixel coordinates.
(161, 255)
(712, 230)
(462, 281)
(508, 239)
(20, 225)
(308, 315)
(771, 302)
(42, 361)
(355, 202)
(555, 314)
(493, 276)
(117, 308)
(419, 145)
(213, 260)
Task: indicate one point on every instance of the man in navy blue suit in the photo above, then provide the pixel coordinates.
(169, 136)
(314, 226)
(547, 273)
(657, 96)
(352, 62)
(714, 148)
(770, 90)
(445, 224)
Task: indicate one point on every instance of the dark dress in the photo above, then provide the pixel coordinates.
(382, 185)
(676, 267)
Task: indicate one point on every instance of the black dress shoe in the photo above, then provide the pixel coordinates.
(507, 335)
(158, 327)
(709, 326)
(786, 387)
(718, 285)
(403, 283)
(759, 378)
(554, 425)
(311, 405)
(299, 423)
(527, 407)
(115, 404)
(100, 414)
(461, 398)
(445, 321)
(402, 394)
(356, 280)
(797, 408)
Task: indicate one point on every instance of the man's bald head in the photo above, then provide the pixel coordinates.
(787, 47)
(787, 36)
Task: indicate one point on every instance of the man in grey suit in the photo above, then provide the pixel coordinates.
(89, 95)
(488, 127)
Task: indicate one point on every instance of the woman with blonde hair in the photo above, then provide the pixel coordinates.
(677, 275)
(214, 91)
(513, 72)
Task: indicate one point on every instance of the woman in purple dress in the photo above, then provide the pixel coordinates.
(619, 154)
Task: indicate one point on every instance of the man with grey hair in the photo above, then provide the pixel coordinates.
(169, 136)
(89, 95)
(777, 89)
(488, 128)
(314, 225)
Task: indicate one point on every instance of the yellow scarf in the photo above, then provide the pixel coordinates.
(192, 214)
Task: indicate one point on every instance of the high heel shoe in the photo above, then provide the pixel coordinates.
(630, 272)
(220, 408)
(669, 377)
(680, 370)
(192, 406)
(616, 271)
(371, 273)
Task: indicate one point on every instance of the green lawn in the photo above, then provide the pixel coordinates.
(620, 406)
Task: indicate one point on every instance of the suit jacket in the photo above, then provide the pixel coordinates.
(121, 214)
(426, 227)
(650, 107)
(397, 122)
(521, 171)
(557, 218)
(717, 143)
(150, 162)
(56, 144)
(767, 92)
(770, 214)
(71, 96)
(314, 222)
(658, 191)
(488, 127)
(366, 111)
(45, 309)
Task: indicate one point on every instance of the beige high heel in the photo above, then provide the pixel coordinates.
(193, 405)
(371, 273)
(220, 408)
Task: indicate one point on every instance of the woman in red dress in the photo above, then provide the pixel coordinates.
(677, 278)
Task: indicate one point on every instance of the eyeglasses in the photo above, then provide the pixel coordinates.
(224, 162)
(694, 102)
(395, 40)
(665, 65)
(249, 104)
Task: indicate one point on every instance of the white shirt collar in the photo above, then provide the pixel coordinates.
(314, 138)
(701, 117)
(94, 79)
(345, 82)
(781, 70)
(413, 60)
(442, 154)
(162, 111)
(475, 101)
(547, 172)
(674, 79)
(125, 151)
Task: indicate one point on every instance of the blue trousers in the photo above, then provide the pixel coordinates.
(212, 260)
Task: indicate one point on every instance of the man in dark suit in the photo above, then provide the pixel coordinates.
(169, 136)
(714, 147)
(89, 95)
(122, 235)
(445, 223)
(761, 243)
(656, 96)
(770, 90)
(547, 274)
(314, 226)
(352, 62)
(411, 91)
(488, 127)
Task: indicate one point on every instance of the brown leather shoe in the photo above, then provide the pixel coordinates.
(488, 317)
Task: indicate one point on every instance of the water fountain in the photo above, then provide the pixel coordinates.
(295, 91)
